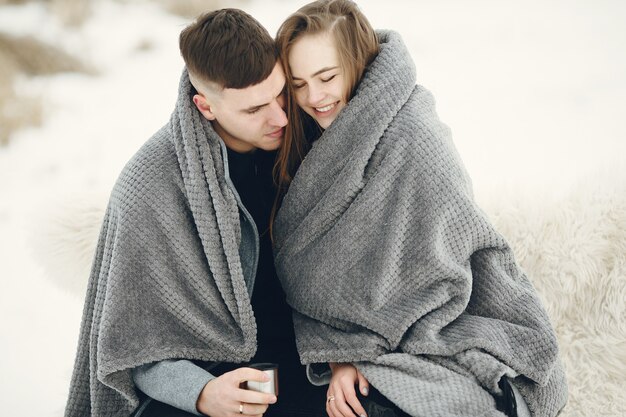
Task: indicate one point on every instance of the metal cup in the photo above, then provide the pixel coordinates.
(271, 386)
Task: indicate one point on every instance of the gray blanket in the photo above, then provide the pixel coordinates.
(167, 280)
(389, 264)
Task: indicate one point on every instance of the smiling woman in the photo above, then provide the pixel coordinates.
(324, 61)
(397, 278)
(321, 94)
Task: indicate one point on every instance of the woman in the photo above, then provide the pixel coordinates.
(395, 275)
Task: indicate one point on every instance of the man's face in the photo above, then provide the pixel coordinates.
(248, 118)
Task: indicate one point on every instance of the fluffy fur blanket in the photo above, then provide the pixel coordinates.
(573, 246)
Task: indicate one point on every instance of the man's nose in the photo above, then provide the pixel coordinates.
(282, 101)
(279, 118)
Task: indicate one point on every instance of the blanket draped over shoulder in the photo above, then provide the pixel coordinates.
(167, 279)
(389, 264)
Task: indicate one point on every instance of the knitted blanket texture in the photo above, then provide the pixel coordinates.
(167, 280)
(389, 264)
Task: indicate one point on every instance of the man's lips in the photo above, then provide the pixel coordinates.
(277, 133)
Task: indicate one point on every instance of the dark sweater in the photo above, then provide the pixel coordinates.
(251, 174)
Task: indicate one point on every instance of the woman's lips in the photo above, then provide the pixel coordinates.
(325, 110)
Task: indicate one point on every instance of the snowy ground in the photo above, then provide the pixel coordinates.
(534, 91)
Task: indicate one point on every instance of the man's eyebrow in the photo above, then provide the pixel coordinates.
(260, 106)
(319, 72)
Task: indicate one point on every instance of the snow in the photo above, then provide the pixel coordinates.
(534, 92)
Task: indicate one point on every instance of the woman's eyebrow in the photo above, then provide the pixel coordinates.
(319, 72)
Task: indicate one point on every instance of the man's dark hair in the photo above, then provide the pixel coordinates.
(228, 47)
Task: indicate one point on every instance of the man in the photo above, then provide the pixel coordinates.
(183, 280)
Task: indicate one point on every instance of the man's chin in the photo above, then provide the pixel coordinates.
(273, 144)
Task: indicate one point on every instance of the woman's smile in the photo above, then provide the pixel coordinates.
(324, 111)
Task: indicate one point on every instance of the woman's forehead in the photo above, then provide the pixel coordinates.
(311, 53)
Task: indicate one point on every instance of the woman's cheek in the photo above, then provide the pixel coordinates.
(300, 98)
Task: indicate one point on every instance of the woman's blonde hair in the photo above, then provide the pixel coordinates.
(357, 46)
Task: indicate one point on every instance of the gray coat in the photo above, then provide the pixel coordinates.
(388, 262)
(173, 270)
(178, 382)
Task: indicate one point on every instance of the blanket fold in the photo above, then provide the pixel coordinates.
(166, 281)
(388, 262)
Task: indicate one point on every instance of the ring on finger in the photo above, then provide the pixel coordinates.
(331, 398)
(241, 408)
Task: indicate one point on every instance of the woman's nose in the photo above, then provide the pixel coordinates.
(315, 95)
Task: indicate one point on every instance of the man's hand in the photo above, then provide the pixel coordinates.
(222, 396)
(341, 398)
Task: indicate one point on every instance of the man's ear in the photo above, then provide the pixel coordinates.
(203, 106)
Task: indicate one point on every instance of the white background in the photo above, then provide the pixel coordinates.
(534, 91)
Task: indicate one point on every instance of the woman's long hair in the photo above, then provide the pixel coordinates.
(357, 46)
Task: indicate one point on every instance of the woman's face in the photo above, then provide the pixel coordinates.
(318, 79)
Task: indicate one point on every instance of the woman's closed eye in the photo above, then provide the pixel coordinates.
(298, 86)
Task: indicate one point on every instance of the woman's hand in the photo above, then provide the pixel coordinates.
(223, 397)
(341, 398)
